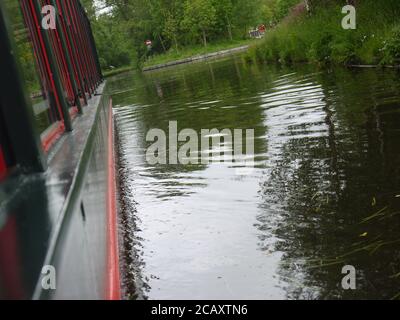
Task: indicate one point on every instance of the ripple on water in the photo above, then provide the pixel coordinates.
(327, 158)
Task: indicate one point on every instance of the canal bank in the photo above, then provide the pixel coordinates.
(201, 57)
(324, 37)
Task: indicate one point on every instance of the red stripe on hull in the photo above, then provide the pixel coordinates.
(53, 135)
(3, 167)
(10, 262)
(113, 271)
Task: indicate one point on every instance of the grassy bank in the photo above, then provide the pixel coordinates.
(187, 52)
(320, 37)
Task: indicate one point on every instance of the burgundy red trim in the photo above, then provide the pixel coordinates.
(45, 57)
(74, 28)
(52, 135)
(10, 262)
(113, 272)
(3, 166)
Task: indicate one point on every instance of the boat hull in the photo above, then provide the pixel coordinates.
(61, 226)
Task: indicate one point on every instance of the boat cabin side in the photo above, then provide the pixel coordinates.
(57, 191)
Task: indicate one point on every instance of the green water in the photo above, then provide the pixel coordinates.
(325, 191)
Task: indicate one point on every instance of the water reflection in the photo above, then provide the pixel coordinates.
(325, 192)
(326, 178)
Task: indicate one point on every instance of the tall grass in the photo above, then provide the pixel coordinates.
(320, 38)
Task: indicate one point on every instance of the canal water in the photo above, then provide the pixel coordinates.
(325, 191)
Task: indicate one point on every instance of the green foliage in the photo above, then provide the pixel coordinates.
(320, 37)
(114, 49)
(28, 66)
(195, 50)
(247, 15)
(171, 28)
(391, 48)
(224, 17)
(171, 24)
(282, 8)
(200, 16)
(178, 24)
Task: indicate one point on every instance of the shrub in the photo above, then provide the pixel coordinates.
(391, 47)
(320, 37)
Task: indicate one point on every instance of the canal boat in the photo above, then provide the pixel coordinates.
(58, 208)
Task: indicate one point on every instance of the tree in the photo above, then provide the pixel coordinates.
(171, 29)
(90, 8)
(200, 17)
(246, 13)
(224, 15)
(170, 18)
(122, 31)
(113, 47)
(283, 7)
(135, 20)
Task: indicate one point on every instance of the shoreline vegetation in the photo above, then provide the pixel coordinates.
(296, 33)
(146, 32)
(191, 53)
(319, 38)
(186, 55)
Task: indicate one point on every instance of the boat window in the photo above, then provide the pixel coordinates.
(33, 63)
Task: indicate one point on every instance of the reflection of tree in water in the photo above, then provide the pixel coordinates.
(323, 192)
(322, 184)
(203, 96)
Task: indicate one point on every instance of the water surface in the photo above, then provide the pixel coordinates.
(325, 192)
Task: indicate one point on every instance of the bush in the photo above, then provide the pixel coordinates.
(320, 38)
(391, 47)
(283, 7)
(320, 50)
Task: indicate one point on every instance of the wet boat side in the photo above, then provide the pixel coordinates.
(60, 219)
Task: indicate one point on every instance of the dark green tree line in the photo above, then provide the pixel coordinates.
(121, 32)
